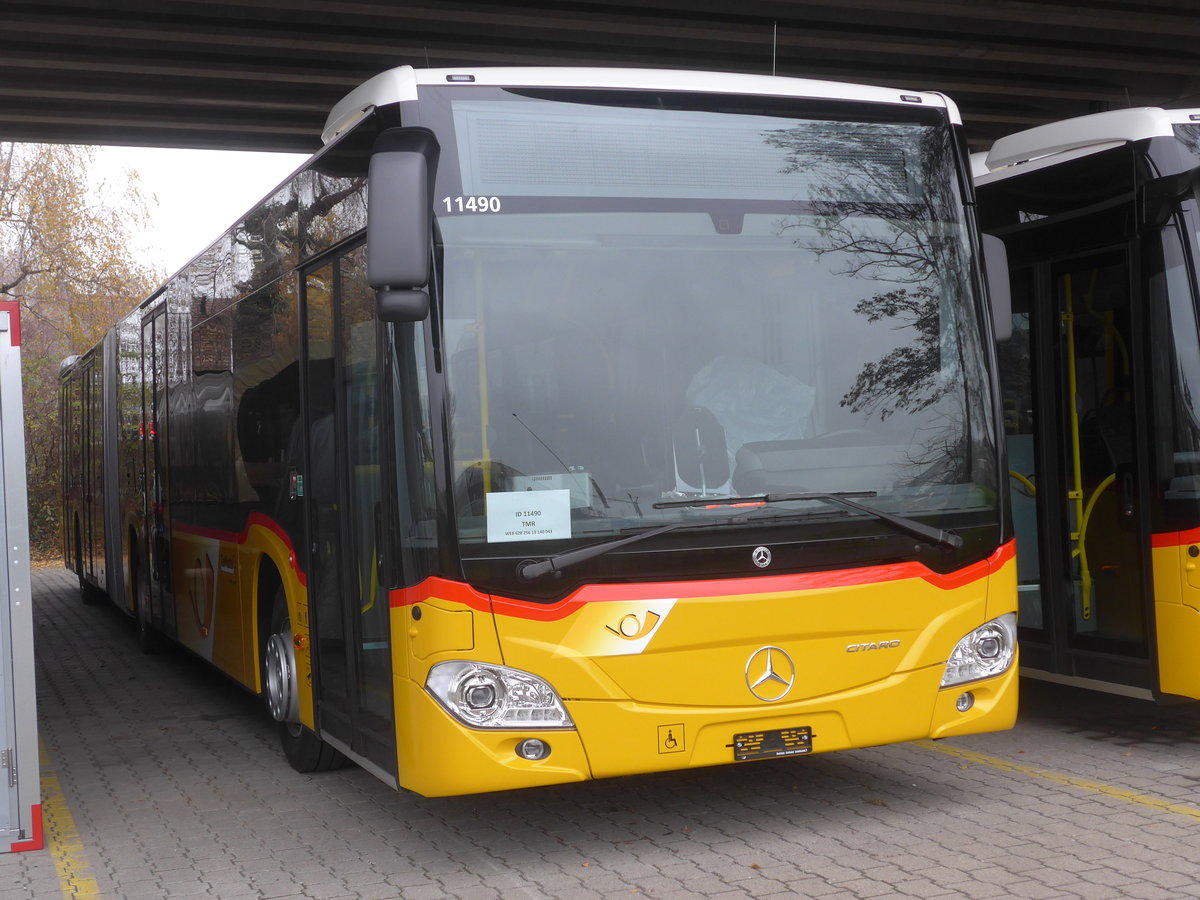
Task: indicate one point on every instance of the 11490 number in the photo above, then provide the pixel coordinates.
(472, 204)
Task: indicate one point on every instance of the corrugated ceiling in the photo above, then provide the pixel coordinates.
(261, 74)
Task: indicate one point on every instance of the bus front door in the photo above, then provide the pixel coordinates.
(1077, 470)
(350, 613)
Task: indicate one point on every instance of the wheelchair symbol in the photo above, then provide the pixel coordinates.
(670, 738)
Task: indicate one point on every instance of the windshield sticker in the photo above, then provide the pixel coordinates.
(528, 516)
(579, 483)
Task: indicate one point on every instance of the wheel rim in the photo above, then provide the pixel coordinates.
(281, 676)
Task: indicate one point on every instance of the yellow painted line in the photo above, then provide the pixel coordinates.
(62, 840)
(1096, 787)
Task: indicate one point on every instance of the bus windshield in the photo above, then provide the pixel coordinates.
(650, 298)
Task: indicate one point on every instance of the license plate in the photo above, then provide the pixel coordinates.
(772, 744)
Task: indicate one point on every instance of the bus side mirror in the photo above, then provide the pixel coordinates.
(1159, 198)
(400, 222)
(995, 263)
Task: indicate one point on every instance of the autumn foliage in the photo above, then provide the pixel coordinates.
(64, 256)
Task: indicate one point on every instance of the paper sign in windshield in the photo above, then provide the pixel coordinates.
(528, 516)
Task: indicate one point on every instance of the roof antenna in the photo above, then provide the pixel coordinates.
(774, 43)
(427, 65)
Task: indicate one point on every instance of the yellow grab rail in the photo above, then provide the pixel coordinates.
(1028, 485)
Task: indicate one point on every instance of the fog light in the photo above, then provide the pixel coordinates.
(965, 701)
(532, 748)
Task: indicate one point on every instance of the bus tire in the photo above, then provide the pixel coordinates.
(305, 751)
(88, 594)
(148, 639)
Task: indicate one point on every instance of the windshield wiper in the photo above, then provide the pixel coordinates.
(945, 539)
(529, 570)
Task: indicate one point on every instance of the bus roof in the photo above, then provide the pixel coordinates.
(396, 85)
(1071, 138)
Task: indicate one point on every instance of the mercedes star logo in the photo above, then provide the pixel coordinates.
(770, 674)
(761, 557)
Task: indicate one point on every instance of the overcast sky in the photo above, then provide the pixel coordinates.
(193, 195)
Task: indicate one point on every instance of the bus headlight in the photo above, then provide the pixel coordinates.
(986, 651)
(487, 696)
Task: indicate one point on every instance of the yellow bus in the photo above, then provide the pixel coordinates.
(555, 424)
(1100, 384)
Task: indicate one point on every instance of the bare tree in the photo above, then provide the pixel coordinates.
(64, 258)
(883, 200)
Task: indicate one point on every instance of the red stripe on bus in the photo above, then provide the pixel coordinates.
(37, 841)
(1003, 554)
(13, 308)
(457, 592)
(230, 537)
(1175, 538)
(442, 589)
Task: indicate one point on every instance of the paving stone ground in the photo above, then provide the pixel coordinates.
(176, 788)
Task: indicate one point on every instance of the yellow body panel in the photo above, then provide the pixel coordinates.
(699, 652)
(207, 616)
(264, 543)
(441, 628)
(1002, 590)
(898, 708)
(1189, 592)
(232, 656)
(655, 684)
(1178, 636)
(1177, 619)
(437, 757)
(216, 603)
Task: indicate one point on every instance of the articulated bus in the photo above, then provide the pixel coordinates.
(554, 424)
(1101, 385)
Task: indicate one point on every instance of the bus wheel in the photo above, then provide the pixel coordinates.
(147, 637)
(304, 750)
(88, 594)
